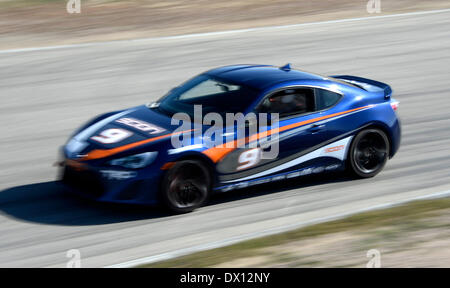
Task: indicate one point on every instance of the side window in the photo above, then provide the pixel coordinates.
(289, 102)
(325, 99)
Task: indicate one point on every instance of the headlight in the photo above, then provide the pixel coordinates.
(135, 161)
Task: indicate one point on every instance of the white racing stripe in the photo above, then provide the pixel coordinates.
(85, 133)
(219, 33)
(78, 142)
(339, 152)
(233, 240)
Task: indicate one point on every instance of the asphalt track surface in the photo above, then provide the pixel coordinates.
(46, 94)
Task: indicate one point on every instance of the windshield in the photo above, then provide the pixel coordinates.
(215, 95)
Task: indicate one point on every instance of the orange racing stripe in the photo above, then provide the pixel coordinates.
(217, 153)
(102, 153)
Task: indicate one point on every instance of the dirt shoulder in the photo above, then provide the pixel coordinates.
(26, 23)
(412, 235)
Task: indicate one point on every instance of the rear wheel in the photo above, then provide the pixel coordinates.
(186, 186)
(368, 153)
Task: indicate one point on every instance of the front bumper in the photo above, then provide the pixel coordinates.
(110, 185)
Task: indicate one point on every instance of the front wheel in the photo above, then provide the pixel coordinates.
(186, 186)
(368, 153)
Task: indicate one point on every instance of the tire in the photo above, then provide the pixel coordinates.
(368, 153)
(186, 186)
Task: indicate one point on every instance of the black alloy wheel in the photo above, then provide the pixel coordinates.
(186, 186)
(368, 153)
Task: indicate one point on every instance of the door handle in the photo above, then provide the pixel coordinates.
(315, 128)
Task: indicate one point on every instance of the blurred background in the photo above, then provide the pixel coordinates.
(29, 23)
(59, 69)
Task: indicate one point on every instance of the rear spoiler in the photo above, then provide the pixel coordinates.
(366, 84)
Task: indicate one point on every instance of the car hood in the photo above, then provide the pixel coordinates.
(135, 125)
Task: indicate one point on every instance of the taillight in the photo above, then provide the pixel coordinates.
(394, 105)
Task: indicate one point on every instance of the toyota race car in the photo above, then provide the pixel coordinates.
(313, 124)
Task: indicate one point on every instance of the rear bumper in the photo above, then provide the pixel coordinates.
(396, 137)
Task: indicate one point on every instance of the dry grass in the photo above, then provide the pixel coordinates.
(412, 235)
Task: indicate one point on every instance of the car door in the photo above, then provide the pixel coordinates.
(298, 134)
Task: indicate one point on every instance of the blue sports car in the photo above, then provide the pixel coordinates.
(179, 150)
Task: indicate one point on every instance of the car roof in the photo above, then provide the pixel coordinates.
(261, 76)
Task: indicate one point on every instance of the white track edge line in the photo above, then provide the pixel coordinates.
(234, 240)
(207, 34)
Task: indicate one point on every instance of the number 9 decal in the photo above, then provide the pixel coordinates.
(249, 158)
(113, 135)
